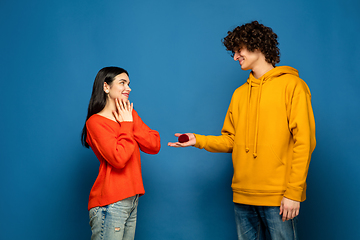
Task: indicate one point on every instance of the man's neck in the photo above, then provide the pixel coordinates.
(260, 70)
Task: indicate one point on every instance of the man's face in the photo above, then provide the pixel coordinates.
(248, 60)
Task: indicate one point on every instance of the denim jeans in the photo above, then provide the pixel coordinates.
(261, 222)
(114, 221)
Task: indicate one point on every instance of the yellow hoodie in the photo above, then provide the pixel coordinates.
(270, 130)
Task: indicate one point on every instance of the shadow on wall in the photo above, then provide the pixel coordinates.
(87, 168)
(190, 199)
(214, 209)
(329, 178)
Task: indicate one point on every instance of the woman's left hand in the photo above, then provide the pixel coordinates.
(123, 111)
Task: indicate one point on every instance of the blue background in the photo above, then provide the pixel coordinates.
(182, 80)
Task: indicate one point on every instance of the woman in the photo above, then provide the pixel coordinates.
(116, 134)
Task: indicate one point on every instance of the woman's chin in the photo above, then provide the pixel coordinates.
(122, 98)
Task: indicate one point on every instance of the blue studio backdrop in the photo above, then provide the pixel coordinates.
(182, 80)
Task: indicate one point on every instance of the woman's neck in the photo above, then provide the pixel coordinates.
(108, 110)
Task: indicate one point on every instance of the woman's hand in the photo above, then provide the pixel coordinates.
(191, 142)
(123, 111)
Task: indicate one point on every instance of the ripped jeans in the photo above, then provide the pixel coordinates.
(114, 221)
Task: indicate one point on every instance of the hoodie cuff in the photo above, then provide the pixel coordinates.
(295, 194)
(200, 141)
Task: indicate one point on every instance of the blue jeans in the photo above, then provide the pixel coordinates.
(258, 222)
(114, 221)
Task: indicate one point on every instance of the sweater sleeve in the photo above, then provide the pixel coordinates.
(222, 143)
(148, 139)
(116, 147)
(302, 127)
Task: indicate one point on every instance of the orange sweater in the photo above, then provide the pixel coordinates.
(116, 145)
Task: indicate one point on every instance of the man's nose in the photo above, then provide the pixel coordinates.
(236, 56)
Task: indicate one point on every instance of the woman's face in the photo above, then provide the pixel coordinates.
(119, 88)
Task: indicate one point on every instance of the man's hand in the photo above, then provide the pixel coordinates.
(191, 142)
(289, 209)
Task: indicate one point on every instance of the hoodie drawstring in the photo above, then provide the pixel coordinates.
(247, 149)
(257, 119)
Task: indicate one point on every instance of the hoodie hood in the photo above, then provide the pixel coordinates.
(273, 73)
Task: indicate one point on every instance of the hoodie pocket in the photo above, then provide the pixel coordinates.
(270, 167)
(265, 173)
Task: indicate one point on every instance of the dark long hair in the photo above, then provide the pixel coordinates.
(98, 96)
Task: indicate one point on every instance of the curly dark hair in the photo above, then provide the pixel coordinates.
(254, 36)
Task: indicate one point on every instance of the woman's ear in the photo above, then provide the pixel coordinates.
(106, 87)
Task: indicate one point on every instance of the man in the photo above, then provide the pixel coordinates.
(270, 130)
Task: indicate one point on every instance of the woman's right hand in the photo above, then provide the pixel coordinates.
(191, 142)
(123, 111)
